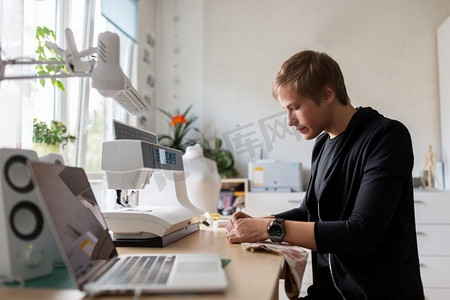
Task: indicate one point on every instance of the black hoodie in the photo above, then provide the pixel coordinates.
(366, 229)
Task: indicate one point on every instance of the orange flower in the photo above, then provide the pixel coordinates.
(177, 120)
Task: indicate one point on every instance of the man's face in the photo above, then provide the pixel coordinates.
(303, 113)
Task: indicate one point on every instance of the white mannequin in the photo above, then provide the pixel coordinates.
(203, 181)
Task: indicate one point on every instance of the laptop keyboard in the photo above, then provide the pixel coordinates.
(141, 270)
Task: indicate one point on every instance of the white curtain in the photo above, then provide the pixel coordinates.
(17, 41)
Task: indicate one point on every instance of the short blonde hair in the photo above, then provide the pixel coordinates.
(308, 72)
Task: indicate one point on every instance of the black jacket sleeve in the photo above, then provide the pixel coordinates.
(386, 164)
(296, 214)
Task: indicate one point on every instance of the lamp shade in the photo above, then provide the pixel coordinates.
(110, 81)
(107, 76)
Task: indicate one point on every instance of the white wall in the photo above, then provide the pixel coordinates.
(386, 49)
(179, 59)
(147, 26)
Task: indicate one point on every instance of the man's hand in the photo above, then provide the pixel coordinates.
(236, 216)
(243, 228)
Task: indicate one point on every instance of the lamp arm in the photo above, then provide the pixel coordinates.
(32, 62)
(13, 62)
(62, 75)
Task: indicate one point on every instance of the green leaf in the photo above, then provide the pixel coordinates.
(166, 113)
(187, 110)
(45, 53)
(47, 31)
(191, 120)
(218, 143)
(61, 86)
(225, 159)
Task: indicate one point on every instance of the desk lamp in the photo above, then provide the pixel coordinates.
(107, 76)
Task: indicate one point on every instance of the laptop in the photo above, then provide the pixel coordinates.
(91, 258)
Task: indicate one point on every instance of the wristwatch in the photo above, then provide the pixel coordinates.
(276, 230)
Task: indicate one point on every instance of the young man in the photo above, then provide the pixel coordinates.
(357, 216)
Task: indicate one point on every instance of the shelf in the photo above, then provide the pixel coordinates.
(233, 195)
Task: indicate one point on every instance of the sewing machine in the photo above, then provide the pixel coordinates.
(129, 165)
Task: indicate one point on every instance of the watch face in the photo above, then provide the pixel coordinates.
(275, 230)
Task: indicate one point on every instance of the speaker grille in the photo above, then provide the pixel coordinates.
(18, 175)
(26, 220)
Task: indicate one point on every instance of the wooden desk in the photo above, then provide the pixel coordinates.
(250, 275)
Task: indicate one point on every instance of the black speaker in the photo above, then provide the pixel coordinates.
(25, 237)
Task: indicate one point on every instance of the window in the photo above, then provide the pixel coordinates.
(86, 114)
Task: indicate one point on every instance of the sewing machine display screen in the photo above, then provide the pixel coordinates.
(164, 156)
(160, 157)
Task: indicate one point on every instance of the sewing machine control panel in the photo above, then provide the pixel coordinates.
(160, 157)
(165, 157)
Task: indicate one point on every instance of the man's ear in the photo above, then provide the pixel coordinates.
(328, 94)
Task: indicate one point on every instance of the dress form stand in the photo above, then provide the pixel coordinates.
(203, 181)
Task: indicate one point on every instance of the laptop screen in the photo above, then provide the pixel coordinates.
(76, 217)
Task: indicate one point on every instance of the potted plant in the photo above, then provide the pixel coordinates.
(179, 126)
(48, 138)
